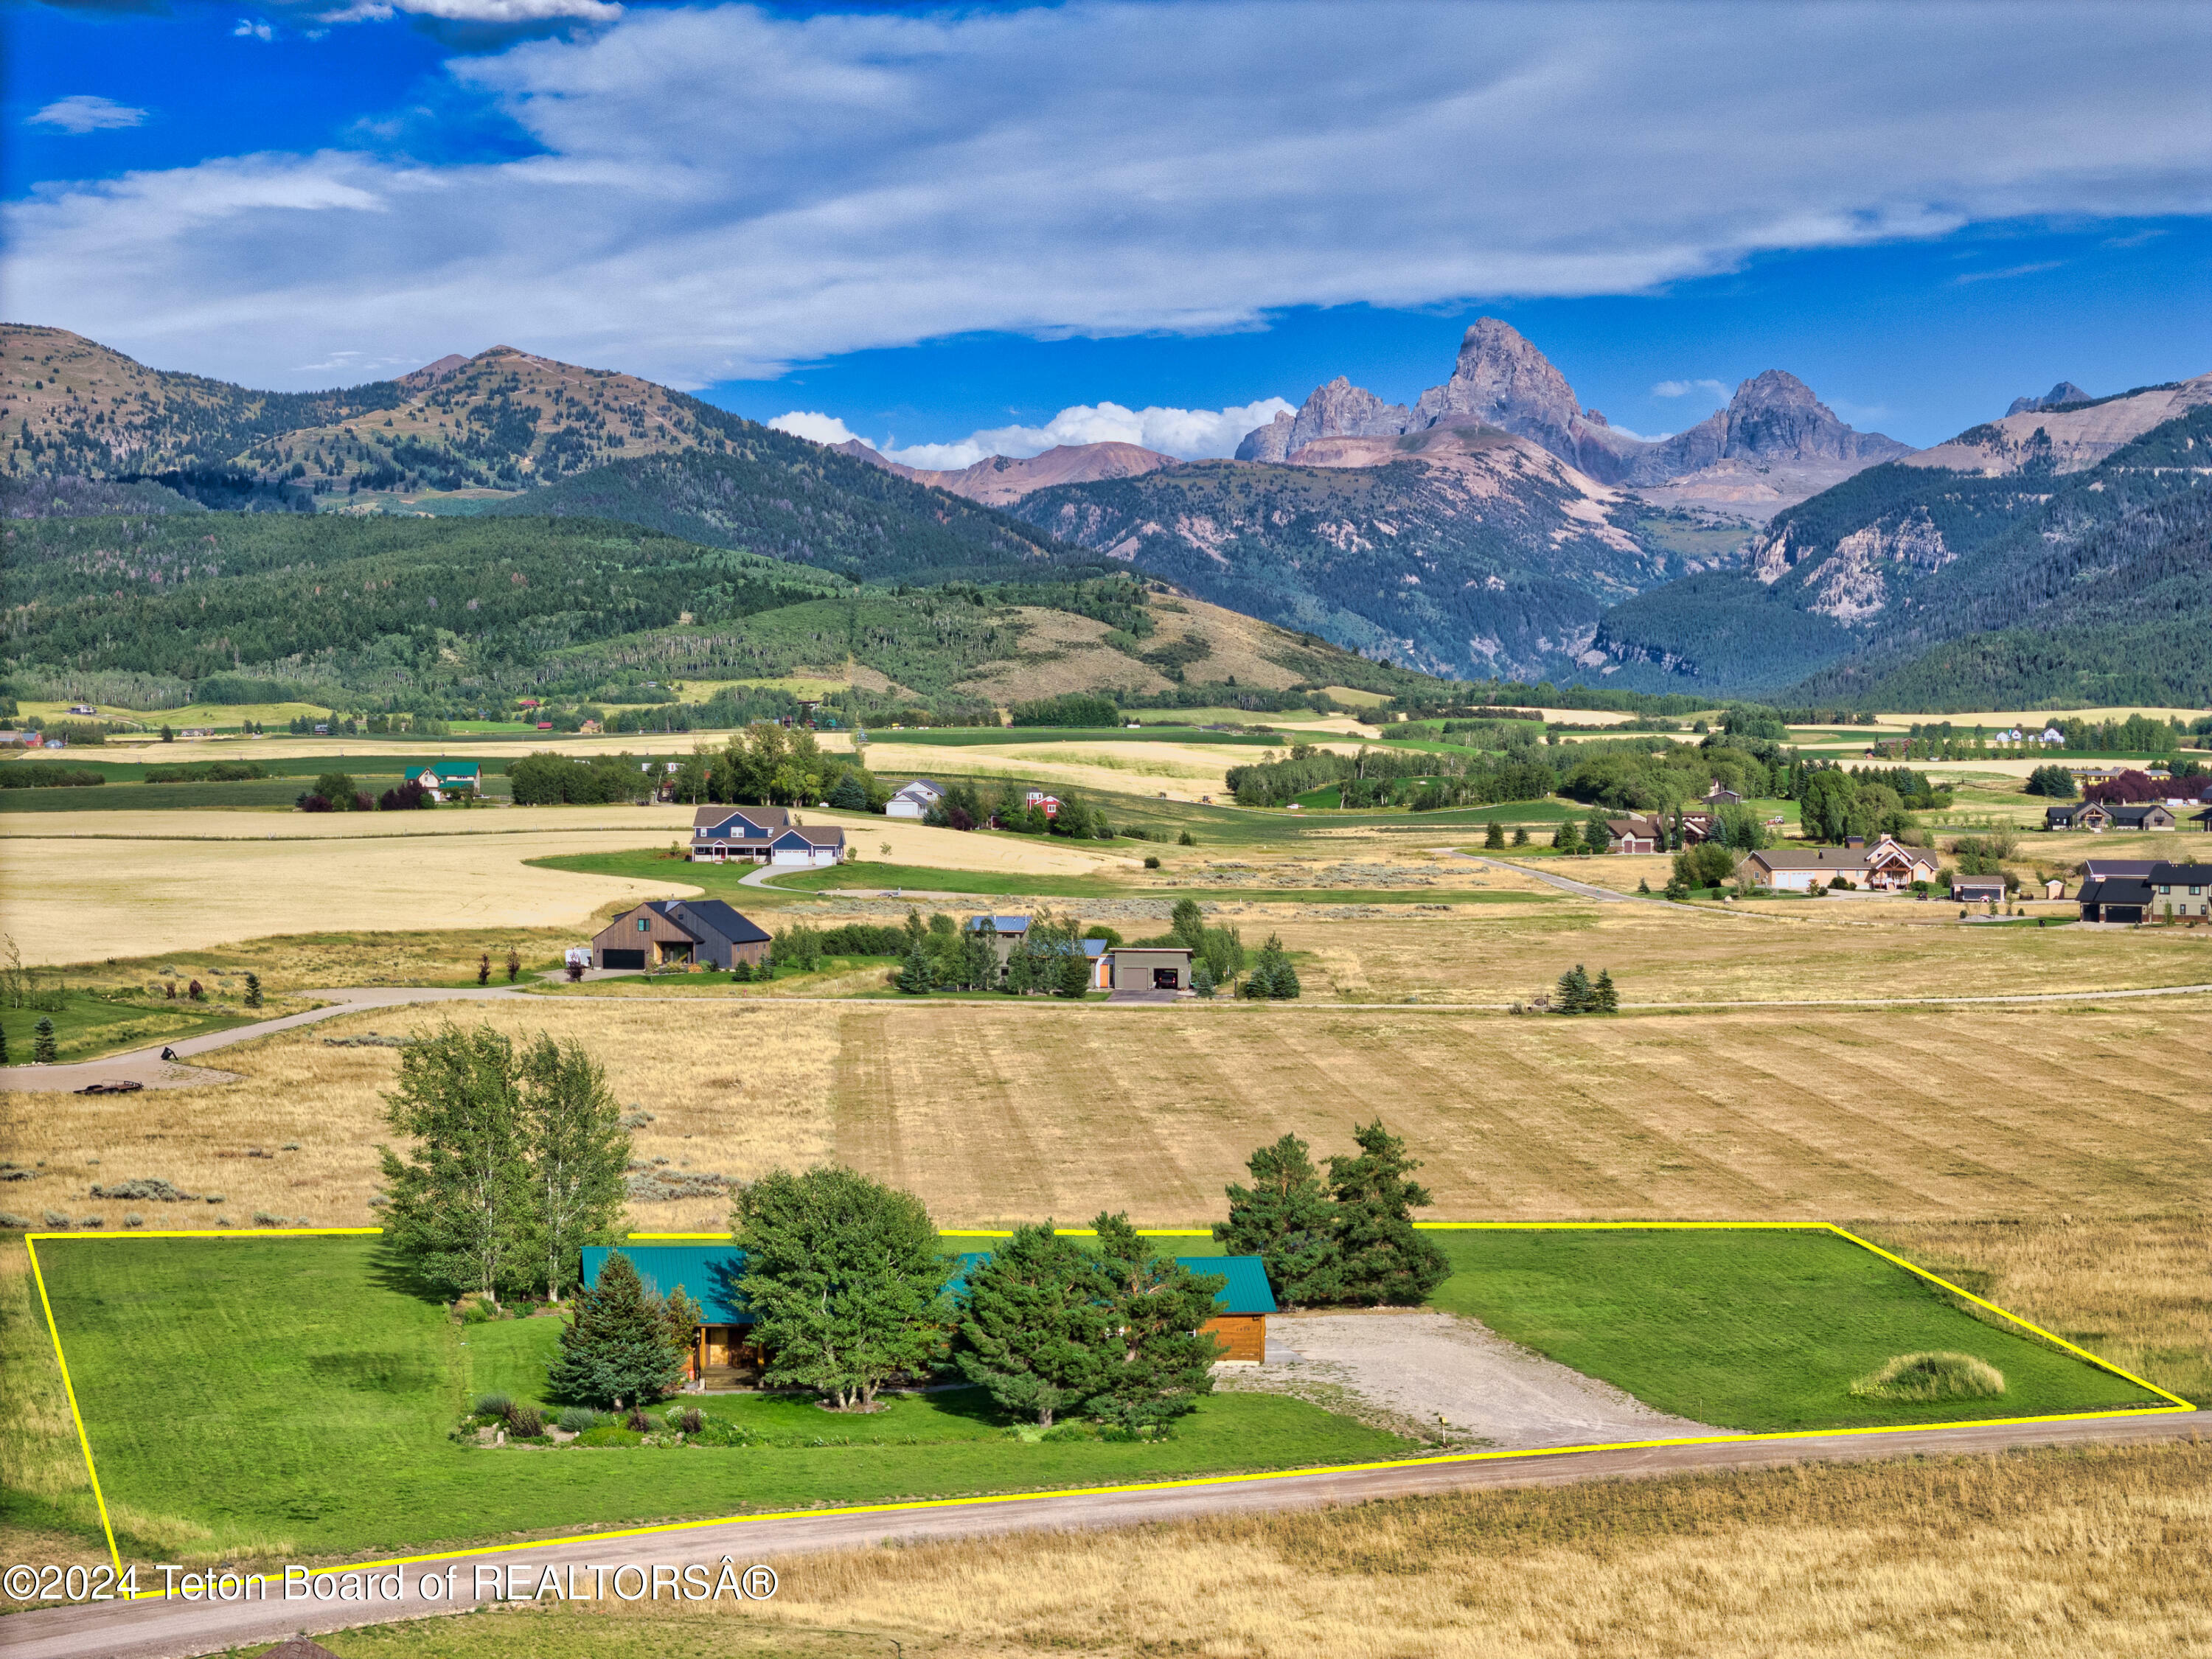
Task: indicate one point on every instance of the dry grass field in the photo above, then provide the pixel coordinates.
(1675, 954)
(2032, 1555)
(80, 891)
(993, 1112)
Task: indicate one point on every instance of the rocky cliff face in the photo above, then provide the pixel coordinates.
(2064, 393)
(1000, 480)
(1775, 443)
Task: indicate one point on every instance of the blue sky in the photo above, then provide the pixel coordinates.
(989, 227)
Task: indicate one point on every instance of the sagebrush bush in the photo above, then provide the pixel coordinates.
(93, 1221)
(12, 1221)
(576, 1419)
(493, 1405)
(1921, 1378)
(55, 1218)
(134, 1220)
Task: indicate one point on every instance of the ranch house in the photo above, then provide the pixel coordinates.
(2085, 815)
(1886, 867)
(2152, 817)
(724, 1355)
(761, 835)
(444, 778)
(670, 932)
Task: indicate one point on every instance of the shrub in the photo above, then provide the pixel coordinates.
(263, 1218)
(1186, 839)
(492, 1404)
(55, 1218)
(134, 1220)
(637, 1421)
(1151, 860)
(688, 1419)
(1920, 1378)
(93, 1221)
(526, 1423)
(578, 1419)
(215, 1198)
(13, 1223)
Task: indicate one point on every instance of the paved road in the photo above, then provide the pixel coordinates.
(156, 1629)
(146, 1065)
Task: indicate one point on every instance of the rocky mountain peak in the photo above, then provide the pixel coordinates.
(1502, 380)
(2064, 393)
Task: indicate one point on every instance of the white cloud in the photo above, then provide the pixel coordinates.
(254, 28)
(1187, 434)
(1683, 388)
(87, 113)
(2010, 270)
(822, 429)
(723, 193)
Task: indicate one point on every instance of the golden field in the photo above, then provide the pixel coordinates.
(2028, 1555)
(994, 1111)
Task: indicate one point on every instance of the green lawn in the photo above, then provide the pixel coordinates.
(87, 1026)
(1756, 1331)
(725, 879)
(294, 1390)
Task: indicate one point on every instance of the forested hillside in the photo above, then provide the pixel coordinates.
(790, 499)
(2086, 585)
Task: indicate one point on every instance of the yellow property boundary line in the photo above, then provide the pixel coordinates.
(2177, 1404)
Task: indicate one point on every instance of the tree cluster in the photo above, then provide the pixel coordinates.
(622, 1345)
(1578, 993)
(517, 1161)
(1347, 1239)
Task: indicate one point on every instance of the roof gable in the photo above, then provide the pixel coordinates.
(730, 924)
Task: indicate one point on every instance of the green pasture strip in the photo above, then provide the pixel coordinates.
(300, 1390)
(1761, 1332)
(87, 1026)
(969, 736)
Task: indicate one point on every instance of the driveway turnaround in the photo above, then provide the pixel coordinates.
(173, 1629)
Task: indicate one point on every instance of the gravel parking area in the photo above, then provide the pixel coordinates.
(1455, 1379)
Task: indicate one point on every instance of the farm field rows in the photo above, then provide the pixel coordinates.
(1800, 1115)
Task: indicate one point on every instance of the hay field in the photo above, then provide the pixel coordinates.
(1183, 772)
(2042, 1554)
(1685, 953)
(78, 892)
(995, 1111)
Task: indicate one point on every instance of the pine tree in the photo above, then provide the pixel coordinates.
(851, 794)
(459, 1203)
(918, 974)
(575, 1145)
(844, 1278)
(1574, 991)
(1201, 977)
(43, 1047)
(1158, 1363)
(253, 990)
(1520, 835)
(1604, 999)
(1035, 1324)
(1567, 838)
(1493, 837)
(1380, 1258)
(1287, 1219)
(1597, 835)
(1071, 973)
(616, 1346)
(1282, 979)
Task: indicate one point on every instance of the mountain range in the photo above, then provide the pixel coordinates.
(1493, 527)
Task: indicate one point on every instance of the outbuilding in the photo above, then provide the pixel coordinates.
(1978, 890)
(2115, 899)
(1149, 967)
(666, 933)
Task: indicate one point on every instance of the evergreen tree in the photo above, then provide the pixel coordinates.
(1201, 977)
(918, 974)
(514, 964)
(1072, 972)
(253, 990)
(1493, 837)
(851, 794)
(617, 1347)
(1596, 838)
(1567, 838)
(1520, 835)
(1158, 1363)
(1035, 1325)
(844, 1278)
(574, 1142)
(1574, 991)
(917, 931)
(979, 960)
(1187, 923)
(43, 1047)
(1272, 974)
(1287, 1219)
(3, 1046)
(1259, 983)
(459, 1204)
(1380, 1258)
(1604, 999)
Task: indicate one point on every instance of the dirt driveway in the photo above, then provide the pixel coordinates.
(1456, 1379)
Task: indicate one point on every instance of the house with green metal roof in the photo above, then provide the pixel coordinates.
(443, 778)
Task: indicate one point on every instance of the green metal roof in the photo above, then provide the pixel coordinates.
(1246, 1292)
(708, 1274)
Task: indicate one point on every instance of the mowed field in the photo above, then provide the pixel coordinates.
(84, 887)
(995, 1112)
